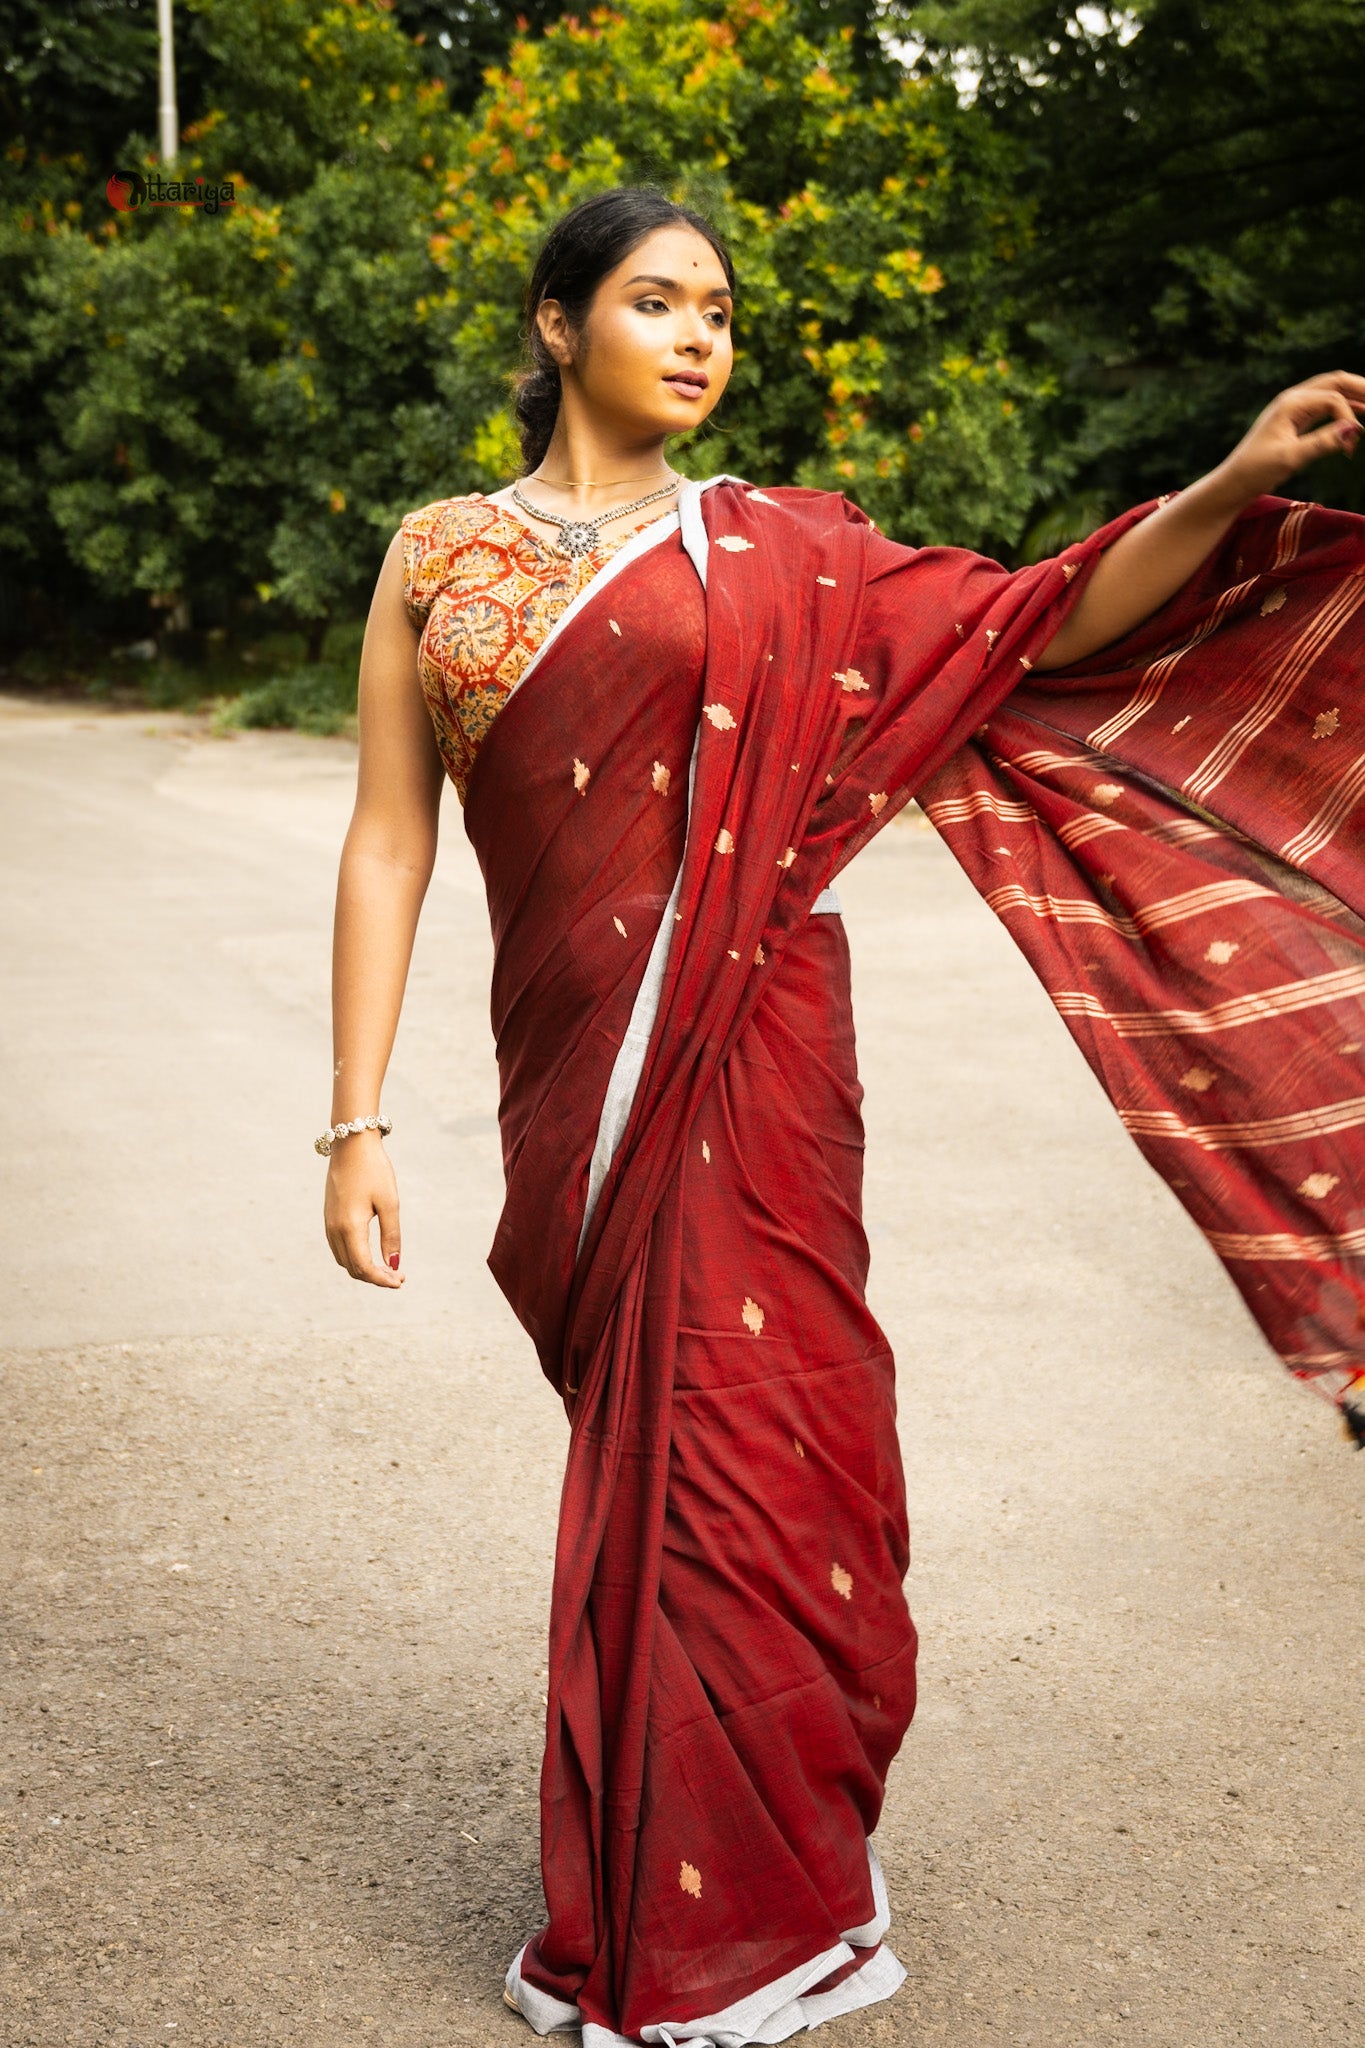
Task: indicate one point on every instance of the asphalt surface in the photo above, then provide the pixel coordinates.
(276, 1546)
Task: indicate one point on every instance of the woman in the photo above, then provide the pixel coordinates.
(673, 711)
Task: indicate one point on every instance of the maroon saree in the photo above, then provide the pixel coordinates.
(731, 1657)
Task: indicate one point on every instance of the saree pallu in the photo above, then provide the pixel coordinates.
(692, 758)
(1176, 840)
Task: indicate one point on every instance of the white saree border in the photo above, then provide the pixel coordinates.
(630, 1058)
(641, 541)
(629, 1063)
(788, 2005)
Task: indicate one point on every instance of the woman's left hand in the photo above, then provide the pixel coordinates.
(1147, 564)
(1312, 419)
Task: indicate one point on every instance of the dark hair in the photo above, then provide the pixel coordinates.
(577, 254)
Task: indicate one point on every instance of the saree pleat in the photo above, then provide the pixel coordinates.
(731, 1656)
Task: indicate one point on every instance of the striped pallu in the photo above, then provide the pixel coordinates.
(1176, 840)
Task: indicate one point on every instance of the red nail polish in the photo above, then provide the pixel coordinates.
(393, 1260)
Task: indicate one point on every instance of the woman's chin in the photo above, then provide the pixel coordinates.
(689, 413)
(677, 416)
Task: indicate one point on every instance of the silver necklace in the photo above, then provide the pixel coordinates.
(581, 536)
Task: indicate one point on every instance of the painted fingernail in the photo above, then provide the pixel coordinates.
(393, 1260)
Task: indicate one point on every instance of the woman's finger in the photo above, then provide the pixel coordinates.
(1333, 439)
(1342, 383)
(1341, 414)
(390, 1242)
(1308, 402)
(1341, 380)
(367, 1266)
(349, 1238)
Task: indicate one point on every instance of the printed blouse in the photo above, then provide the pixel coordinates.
(486, 590)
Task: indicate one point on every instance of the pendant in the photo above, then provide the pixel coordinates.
(578, 537)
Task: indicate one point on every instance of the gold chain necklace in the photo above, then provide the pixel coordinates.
(587, 483)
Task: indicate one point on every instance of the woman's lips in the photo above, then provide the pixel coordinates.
(687, 385)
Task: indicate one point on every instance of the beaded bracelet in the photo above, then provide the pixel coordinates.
(324, 1144)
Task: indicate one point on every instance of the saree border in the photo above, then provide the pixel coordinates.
(624, 1079)
(790, 2000)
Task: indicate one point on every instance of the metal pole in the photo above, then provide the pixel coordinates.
(170, 119)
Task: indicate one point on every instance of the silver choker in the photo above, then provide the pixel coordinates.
(582, 536)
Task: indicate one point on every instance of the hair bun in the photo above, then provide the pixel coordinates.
(536, 406)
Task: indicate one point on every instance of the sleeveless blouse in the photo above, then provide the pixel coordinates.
(486, 590)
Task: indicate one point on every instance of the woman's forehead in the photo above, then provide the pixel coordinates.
(677, 252)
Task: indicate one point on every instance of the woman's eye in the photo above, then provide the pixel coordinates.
(651, 306)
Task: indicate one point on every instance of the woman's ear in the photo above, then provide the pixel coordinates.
(554, 331)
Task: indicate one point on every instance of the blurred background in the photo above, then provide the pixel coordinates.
(1006, 267)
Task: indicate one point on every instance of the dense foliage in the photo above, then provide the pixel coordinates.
(998, 277)
(1194, 167)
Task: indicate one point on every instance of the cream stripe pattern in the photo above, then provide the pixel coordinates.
(957, 810)
(1235, 1244)
(1042, 760)
(1316, 637)
(1082, 830)
(1150, 917)
(1271, 1130)
(1319, 989)
(1291, 533)
(1334, 813)
(1159, 674)
(1188, 831)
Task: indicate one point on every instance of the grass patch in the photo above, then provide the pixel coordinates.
(318, 700)
(260, 683)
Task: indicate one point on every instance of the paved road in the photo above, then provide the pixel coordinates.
(277, 1546)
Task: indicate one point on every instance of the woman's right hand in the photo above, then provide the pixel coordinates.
(360, 1186)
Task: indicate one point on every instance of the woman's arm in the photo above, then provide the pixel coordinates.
(1150, 562)
(386, 864)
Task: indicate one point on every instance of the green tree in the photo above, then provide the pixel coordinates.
(460, 40)
(217, 407)
(78, 87)
(77, 75)
(1194, 169)
(149, 477)
(240, 405)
